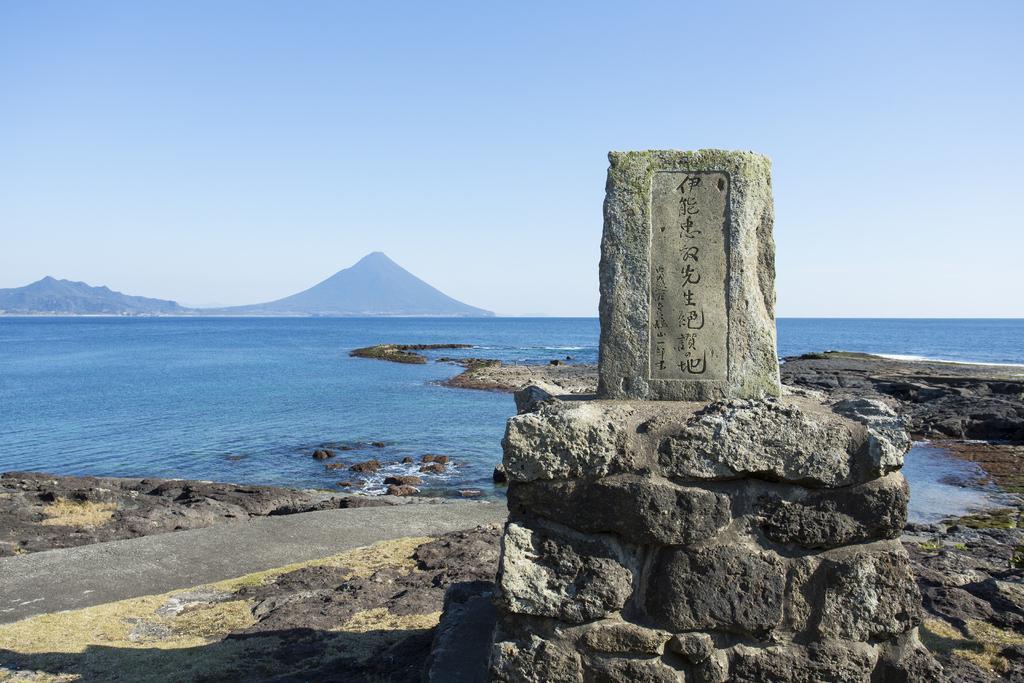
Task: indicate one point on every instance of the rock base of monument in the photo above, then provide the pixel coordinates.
(730, 541)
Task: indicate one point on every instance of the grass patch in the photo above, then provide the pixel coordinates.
(979, 643)
(95, 643)
(380, 619)
(930, 546)
(215, 620)
(361, 562)
(63, 512)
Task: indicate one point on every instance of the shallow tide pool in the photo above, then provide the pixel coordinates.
(943, 486)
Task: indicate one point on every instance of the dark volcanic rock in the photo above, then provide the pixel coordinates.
(367, 466)
(111, 508)
(324, 597)
(461, 556)
(403, 480)
(834, 517)
(937, 400)
(462, 639)
(310, 603)
(704, 579)
(634, 507)
(971, 586)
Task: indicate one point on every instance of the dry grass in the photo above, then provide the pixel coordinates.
(360, 562)
(63, 512)
(94, 643)
(980, 643)
(380, 619)
(214, 621)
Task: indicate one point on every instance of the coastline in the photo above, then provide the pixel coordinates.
(966, 567)
(41, 511)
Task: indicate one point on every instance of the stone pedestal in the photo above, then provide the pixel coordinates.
(731, 541)
(748, 537)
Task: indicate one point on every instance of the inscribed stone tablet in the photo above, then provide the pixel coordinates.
(689, 325)
(688, 277)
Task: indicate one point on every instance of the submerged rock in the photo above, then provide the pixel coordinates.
(402, 490)
(402, 480)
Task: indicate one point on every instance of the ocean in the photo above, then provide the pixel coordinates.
(249, 399)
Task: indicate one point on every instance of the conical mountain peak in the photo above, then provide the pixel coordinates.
(374, 285)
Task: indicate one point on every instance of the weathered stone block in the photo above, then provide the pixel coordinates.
(534, 661)
(828, 518)
(621, 670)
(888, 440)
(623, 638)
(869, 593)
(564, 440)
(906, 660)
(574, 580)
(640, 509)
(846, 662)
(729, 588)
(795, 440)
(693, 647)
(688, 277)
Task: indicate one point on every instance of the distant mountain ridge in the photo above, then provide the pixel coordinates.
(51, 295)
(374, 286)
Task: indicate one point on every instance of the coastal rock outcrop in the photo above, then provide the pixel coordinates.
(40, 511)
(935, 399)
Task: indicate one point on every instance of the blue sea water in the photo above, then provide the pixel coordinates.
(248, 399)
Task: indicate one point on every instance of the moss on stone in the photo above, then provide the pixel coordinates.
(1007, 518)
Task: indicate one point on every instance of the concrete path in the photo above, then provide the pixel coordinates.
(72, 578)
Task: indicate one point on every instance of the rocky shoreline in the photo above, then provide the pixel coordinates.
(970, 570)
(368, 614)
(40, 511)
(560, 379)
(935, 399)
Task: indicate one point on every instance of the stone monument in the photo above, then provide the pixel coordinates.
(688, 277)
(728, 531)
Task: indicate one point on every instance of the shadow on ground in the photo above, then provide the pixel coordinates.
(299, 654)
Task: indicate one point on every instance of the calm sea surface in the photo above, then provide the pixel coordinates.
(248, 399)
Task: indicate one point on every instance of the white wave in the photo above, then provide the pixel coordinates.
(374, 483)
(908, 357)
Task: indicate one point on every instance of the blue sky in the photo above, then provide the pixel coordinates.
(235, 152)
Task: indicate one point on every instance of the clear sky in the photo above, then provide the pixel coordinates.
(235, 152)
